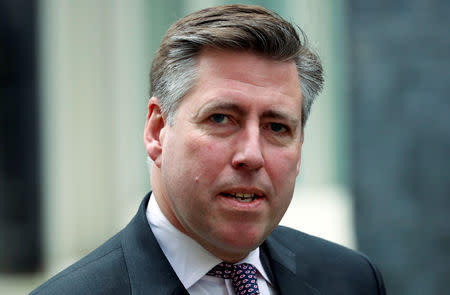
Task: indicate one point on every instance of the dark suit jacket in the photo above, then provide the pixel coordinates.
(132, 262)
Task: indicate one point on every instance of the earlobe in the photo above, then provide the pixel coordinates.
(153, 128)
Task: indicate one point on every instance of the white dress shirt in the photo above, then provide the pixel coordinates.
(191, 261)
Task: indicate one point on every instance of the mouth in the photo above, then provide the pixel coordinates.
(242, 197)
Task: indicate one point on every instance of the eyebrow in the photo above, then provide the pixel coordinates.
(272, 114)
(220, 106)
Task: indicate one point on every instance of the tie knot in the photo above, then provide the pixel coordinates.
(226, 270)
(222, 270)
(243, 276)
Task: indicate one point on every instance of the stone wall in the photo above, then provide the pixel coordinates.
(400, 65)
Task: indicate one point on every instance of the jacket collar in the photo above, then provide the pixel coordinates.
(148, 268)
(287, 272)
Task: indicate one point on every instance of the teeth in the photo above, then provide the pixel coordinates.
(243, 197)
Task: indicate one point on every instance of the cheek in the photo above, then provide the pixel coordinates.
(283, 170)
(208, 155)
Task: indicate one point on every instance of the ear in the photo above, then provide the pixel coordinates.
(299, 161)
(152, 132)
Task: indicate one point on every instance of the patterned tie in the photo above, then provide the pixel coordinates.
(243, 277)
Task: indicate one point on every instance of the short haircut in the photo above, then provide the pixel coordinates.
(232, 27)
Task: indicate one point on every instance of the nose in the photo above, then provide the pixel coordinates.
(248, 150)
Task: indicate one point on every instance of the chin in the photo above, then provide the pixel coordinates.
(243, 241)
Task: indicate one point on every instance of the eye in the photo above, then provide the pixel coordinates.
(219, 118)
(278, 127)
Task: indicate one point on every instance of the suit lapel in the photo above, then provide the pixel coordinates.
(281, 266)
(148, 268)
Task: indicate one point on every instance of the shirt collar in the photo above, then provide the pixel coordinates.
(171, 240)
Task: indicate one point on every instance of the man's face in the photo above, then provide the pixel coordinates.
(229, 162)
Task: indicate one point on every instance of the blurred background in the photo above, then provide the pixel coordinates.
(376, 165)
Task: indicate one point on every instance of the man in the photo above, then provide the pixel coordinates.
(232, 87)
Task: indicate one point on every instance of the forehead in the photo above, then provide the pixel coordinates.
(250, 67)
(246, 78)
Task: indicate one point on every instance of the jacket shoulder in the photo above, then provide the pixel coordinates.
(298, 241)
(319, 260)
(103, 271)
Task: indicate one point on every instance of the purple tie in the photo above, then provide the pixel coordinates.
(243, 277)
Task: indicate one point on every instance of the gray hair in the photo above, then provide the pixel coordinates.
(235, 27)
